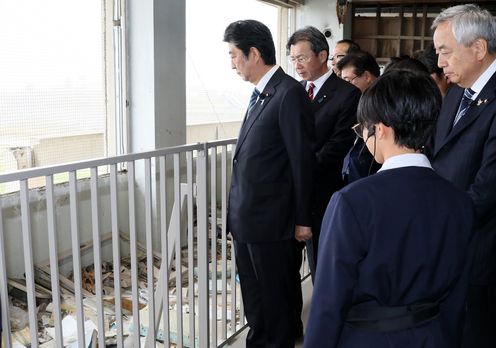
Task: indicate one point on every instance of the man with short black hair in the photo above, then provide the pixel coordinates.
(360, 69)
(271, 188)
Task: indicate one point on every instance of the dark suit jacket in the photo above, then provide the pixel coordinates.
(466, 156)
(398, 237)
(334, 109)
(271, 187)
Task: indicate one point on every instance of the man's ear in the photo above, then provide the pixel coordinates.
(322, 56)
(367, 77)
(255, 53)
(480, 48)
(381, 130)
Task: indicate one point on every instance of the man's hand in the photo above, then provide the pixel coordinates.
(303, 233)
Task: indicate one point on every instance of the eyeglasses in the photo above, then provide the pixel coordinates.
(358, 129)
(301, 59)
(337, 57)
(351, 80)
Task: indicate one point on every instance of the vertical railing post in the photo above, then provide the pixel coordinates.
(163, 279)
(97, 255)
(76, 255)
(213, 251)
(202, 218)
(191, 247)
(179, 288)
(116, 254)
(224, 240)
(149, 252)
(133, 251)
(4, 296)
(54, 261)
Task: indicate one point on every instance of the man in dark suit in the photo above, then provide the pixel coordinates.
(396, 247)
(360, 69)
(271, 188)
(464, 148)
(334, 103)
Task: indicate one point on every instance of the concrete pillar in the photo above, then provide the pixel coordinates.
(156, 32)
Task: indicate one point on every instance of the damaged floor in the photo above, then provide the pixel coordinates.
(46, 333)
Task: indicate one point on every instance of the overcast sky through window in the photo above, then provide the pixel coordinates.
(215, 93)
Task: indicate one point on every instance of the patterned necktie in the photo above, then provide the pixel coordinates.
(311, 86)
(253, 99)
(464, 104)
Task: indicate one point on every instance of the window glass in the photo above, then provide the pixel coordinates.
(216, 96)
(52, 85)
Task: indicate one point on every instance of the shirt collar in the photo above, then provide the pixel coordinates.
(482, 80)
(265, 79)
(319, 82)
(406, 160)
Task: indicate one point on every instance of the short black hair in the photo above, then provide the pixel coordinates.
(406, 63)
(407, 101)
(249, 33)
(429, 58)
(352, 45)
(317, 40)
(361, 62)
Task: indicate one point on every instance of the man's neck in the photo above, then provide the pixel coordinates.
(324, 70)
(488, 60)
(395, 150)
(260, 72)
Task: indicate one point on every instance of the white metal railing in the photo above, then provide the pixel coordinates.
(165, 204)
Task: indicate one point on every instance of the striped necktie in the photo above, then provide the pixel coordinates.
(311, 86)
(464, 104)
(253, 99)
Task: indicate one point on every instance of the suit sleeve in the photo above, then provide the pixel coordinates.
(483, 190)
(340, 140)
(452, 310)
(295, 123)
(342, 246)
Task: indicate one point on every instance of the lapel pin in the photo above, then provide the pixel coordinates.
(263, 96)
(481, 101)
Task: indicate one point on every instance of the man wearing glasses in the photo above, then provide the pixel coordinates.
(359, 69)
(334, 104)
(342, 48)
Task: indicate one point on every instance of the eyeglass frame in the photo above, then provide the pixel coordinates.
(338, 57)
(358, 129)
(300, 59)
(350, 81)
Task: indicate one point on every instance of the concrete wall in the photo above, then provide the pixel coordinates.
(11, 216)
(320, 14)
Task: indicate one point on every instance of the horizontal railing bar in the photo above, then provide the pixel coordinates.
(50, 170)
(215, 143)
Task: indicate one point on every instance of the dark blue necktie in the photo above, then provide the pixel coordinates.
(253, 99)
(464, 104)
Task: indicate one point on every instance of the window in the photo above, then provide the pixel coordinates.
(216, 96)
(53, 85)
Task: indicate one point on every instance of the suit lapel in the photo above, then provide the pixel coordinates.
(476, 109)
(325, 93)
(264, 99)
